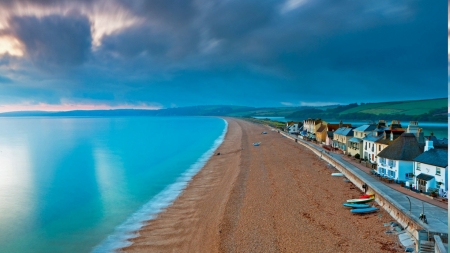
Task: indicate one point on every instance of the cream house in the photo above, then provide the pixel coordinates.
(356, 142)
(341, 137)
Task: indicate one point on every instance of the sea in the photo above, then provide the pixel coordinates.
(439, 129)
(86, 184)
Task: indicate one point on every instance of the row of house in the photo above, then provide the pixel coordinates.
(402, 154)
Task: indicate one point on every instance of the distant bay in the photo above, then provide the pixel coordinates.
(77, 184)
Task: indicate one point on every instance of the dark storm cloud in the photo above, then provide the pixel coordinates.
(54, 41)
(203, 51)
(135, 41)
(173, 13)
(233, 20)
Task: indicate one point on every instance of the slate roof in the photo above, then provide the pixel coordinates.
(345, 131)
(404, 148)
(436, 157)
(438, 143)
(425, 177)
(371, 137)
(330, 134)
(365, 128)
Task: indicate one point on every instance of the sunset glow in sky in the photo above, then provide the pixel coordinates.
(102, 54)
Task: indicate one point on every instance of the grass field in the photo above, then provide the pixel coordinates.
(415, 107)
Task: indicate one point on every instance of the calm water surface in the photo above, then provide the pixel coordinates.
(78, 184)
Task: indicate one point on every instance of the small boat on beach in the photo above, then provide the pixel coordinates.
(356, 205)
(365, 210)
(366, 196)
(264, 132)
(359, 201)
(256, 144)
(337, 174)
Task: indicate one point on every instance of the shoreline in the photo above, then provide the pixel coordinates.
(276, 197)
(172, 229)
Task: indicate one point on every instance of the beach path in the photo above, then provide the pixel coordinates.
(277, 197)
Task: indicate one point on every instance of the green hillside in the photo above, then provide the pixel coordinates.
(415, 107)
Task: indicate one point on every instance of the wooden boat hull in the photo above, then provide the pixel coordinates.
(364, 210)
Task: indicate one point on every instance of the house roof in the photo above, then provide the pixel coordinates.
(365, 128)
(322, 128)
(354, 139)
(404, 148)
(438, 143)
(436, 157)
(384, 141)
(330, 134)
(332, 127)
(425, 177)
(372, 138)
(345, 131)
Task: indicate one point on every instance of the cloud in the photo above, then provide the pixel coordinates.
(54, 41)
(173, 13)
(255, 53)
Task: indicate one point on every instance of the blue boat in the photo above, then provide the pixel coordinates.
(364, 210)
(356, 205)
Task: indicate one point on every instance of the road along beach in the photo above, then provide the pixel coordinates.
(276, 197)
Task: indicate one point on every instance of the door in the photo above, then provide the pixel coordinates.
(422, 185)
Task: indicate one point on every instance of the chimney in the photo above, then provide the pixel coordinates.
(428, 145)
(340, 124)
(419, 136)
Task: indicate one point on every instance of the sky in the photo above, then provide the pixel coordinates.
(151, 54)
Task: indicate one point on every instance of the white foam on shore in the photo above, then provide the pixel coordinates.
(130, 228)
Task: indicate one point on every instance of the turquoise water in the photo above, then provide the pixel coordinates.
(83, 184)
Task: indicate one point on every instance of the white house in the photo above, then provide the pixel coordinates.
(293, 127)
(397, 160)
(431, 169)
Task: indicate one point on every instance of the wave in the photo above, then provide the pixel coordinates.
(129, 229)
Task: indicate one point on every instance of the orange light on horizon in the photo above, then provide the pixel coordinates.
(72, 107)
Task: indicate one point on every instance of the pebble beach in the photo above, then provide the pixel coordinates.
(276, 197)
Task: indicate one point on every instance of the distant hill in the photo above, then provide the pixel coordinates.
(415, 107)
(422, 110)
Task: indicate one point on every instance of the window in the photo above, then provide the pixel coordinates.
(391, 163)
(382, 160)
(409, 175)
(379, 147)
(418, 166)
(438, 171)
(391, 173)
